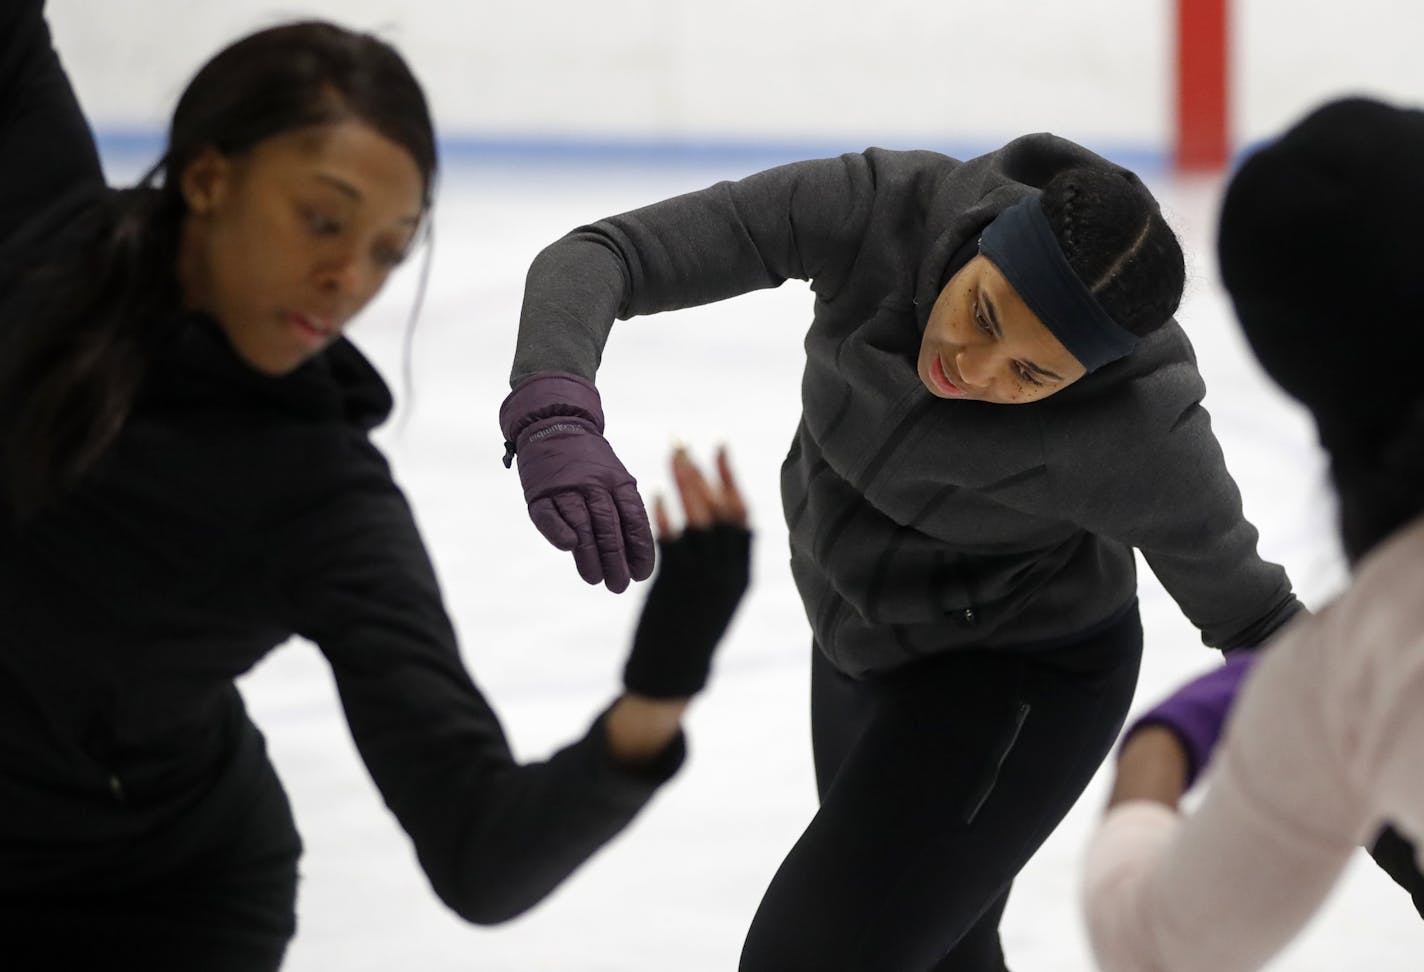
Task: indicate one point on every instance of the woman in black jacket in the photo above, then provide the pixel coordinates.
(188, 481)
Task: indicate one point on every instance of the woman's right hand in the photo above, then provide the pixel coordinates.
(702, 575)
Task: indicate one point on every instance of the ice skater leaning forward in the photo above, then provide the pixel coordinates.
(997, 408)
(186, 480)
(1321, 252)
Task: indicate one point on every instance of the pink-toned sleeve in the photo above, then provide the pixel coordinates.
(1221, 890)
(1386, 716)
(1122, 856)
(1323, 746)
(1226, 887)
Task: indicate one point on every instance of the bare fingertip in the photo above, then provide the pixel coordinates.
(660, 517)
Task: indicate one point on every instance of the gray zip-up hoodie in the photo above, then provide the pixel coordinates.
(918, 524)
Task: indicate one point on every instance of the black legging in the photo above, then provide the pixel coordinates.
(937, 784)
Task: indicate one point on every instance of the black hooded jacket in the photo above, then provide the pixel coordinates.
(234, 511)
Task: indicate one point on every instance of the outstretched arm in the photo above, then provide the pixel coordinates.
(803, 220)
(1151, 474)
(800, 221)
(493, 836)
(1226, 886)
(46, 150)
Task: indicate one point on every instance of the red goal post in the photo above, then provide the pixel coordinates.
(1202, 133)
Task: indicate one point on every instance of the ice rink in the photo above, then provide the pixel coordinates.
(675, 893)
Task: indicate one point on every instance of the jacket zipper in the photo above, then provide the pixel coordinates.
(981, 796)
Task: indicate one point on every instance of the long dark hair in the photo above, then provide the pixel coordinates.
(1117, 242)
(72, 368)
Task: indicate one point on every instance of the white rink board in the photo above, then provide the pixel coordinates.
(804, 71)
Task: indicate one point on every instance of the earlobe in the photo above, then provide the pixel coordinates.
(205, 180)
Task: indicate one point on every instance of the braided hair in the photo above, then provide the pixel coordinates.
(1117, 242)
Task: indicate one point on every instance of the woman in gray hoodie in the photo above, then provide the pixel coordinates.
(997, 408)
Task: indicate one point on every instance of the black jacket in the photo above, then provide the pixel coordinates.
(234, 511)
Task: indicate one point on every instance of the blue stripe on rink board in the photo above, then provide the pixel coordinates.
(137, 145)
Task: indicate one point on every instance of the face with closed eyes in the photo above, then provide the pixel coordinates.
(284, 243)
(982, 343)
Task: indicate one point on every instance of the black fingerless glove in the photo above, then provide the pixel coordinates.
(701, 578)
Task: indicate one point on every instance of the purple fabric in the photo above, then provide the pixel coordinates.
(580, 497)
(1196, 712)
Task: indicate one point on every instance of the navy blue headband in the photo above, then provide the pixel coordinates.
(1023, 247)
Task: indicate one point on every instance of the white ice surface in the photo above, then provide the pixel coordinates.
(676, 891)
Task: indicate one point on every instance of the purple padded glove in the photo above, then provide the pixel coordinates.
(1196, 711)
(579, 495)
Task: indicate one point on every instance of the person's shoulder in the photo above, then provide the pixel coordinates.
(895, 171)
(909, 159)
(1163, 368)
(1139, 417)
(365, 396)
(1159, 378)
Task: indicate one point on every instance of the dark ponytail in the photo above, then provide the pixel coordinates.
(73, 362)
(1113, 234)
(75, 355)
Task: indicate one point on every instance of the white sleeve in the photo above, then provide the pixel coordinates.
(1122, 855)
(1226, 888)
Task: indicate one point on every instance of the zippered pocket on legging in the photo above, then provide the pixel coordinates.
(981, 795)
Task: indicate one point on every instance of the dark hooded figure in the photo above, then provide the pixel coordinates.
(1321, 256)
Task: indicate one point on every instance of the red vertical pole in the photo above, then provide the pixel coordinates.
(1202, 120)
